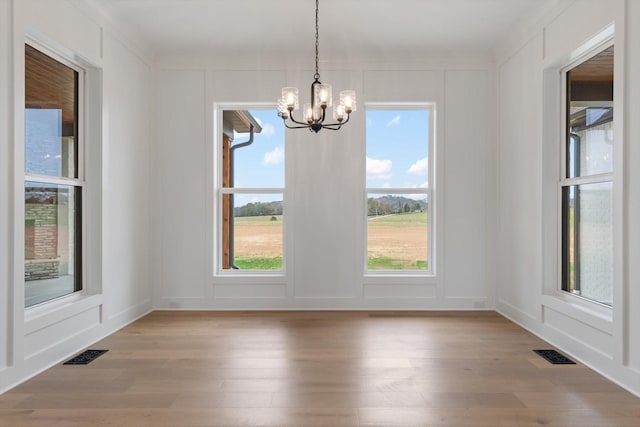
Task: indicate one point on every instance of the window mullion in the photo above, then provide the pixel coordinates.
(46, 179)
(589, 179)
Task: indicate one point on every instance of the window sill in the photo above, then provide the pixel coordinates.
(591, 313)
(232, 278)
(409, 278)
(45, 314)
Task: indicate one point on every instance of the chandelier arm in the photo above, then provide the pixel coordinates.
(305, 124)
(331, 125)
(296, 127)
(339, 124)
(324, 110)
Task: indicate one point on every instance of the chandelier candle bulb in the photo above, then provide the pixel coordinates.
(338, 112)
(308, 113)
(348, 99)
(282, 109)
(323, 95)
(290, 96)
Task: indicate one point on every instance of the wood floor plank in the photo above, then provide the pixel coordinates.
(320, 369)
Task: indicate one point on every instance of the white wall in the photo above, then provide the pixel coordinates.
(126, 183)
(325, 247)
(6, 177)
(519, 270)
(529, 120)
(118, 208)
(632, 195)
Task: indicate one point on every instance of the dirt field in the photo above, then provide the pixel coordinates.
(258, 237)
(400, 237)
(408, 243)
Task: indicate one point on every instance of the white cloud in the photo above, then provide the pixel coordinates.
(379, 169)
(420, 167)
(408, 184)
(274, 157)
(417, 196)
(268, 129)
(394, 121)
(386, 185)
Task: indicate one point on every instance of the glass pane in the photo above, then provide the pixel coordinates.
(397, 232)
(259, 164)
(397, 148)
(51, 92)
(252, 231)
(588, 241)
(52, 242)
(590, 107)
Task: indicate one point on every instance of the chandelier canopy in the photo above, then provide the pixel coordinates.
(315, 112)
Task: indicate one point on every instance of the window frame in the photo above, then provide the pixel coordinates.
(429, 191)
(219, 191)
(74, 182)
(565, 181)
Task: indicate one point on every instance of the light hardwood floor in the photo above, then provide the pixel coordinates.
(320, 369)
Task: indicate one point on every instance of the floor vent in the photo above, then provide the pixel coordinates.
(554, 357)
(85, 357)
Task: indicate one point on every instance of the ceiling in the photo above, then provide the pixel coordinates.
(50, 85)
(597, 69)
(347, 27)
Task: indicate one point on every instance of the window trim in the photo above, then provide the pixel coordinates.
(429, 191)
(260, 276)
(566, 182)
(79, 182)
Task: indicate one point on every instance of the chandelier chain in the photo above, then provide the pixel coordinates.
(317, 74)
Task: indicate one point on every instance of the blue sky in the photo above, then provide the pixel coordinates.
(396, 157)
(397, 148)
(261, 164)
(43, 128)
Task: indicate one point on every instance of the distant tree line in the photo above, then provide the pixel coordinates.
(259, 209)
(385, 205)
(388, 205)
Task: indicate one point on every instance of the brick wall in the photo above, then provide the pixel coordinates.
(42, 260)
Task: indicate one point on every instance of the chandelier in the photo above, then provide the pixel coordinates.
(315, 112)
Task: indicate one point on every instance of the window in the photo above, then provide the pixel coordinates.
(586, 183)
(399, 181)
(54, 182)
(250, 192)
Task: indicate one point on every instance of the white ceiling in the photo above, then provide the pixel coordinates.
(346, 26)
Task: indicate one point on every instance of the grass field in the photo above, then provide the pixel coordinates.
(397, 242)
(258, 242)
(394, 242)
(399, 220)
